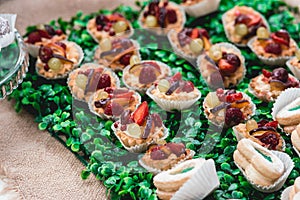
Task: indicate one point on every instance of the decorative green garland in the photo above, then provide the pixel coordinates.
(92, 142)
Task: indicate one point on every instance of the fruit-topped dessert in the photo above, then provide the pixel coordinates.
(294, 64)
(117, 53)
(110, 103)
(273, 48)
(269, 85)
(263, 132)
(198, 8)
(89, 78)
(241, 24)
(189, 42)
(162, 16)
(228, 107)
(105, 26)
(58, 59)
(174, 93)
(41, 35)
(222, 66)
(162, 157)
(140, 75)
(139, 129)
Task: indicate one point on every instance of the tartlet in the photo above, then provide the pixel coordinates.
(189, 42)
(162, 16)
(139, 129)
(275, 48)
(269, 85)
(57, 59)
(262, 132)
(116, 53)
(295, 137)
(295, 190)
(110, 103)
(241, 24)
(222, 66)
(163, 157)
(142, 75)
(105, 26)
(174, 93)
(191, 179)
(228, 107)
(265, 170)
(198, 8)
(43, 34)
(89, 78)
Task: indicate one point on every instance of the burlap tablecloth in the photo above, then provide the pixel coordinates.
(38, 165)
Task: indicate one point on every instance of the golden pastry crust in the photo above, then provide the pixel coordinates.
(78, 92)
(229, 20)
(73, 53)
(115, 65)
(206, 68)
(129, 141)
(261, 88)
(176, 26)
(167, 163)
(99, 35)
(289, 117)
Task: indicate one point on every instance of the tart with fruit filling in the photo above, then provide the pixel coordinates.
(222, 66)
(174, 93)
(241, 24)
(228, 107)
(58, 59)
(105, 26)
(163, 157)
(269, 85)
(110, 103)
(40, 36)
(262, 132)
(275, 48)
(139, 129)
(89, 78)
(141, 75)
(116, 53)
(189, 42)
(162, 16)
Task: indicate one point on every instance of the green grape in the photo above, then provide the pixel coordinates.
(215, 53)
(251, 124)
(81, 81)
(212, 100)
(262, 33)
(163, 85)
(105, 44)
(102, 95)
(241, 29)
(55, 64)
(151, 21)
(134, 130)
(120, 26)
(298, 54)
(134, 59)
(196, 45)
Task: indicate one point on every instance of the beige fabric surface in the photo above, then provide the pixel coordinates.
(38, 165)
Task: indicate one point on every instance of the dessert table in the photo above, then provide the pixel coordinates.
(40, 167)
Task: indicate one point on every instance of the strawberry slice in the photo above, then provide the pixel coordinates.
(176, 77)
(273, 124)
(254, 20)
(195, 33)
(266, 73)
(141, 113)
(281, 37)
(226, 68)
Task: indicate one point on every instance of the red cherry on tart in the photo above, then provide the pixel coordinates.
(263, 132)
(138, 129)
